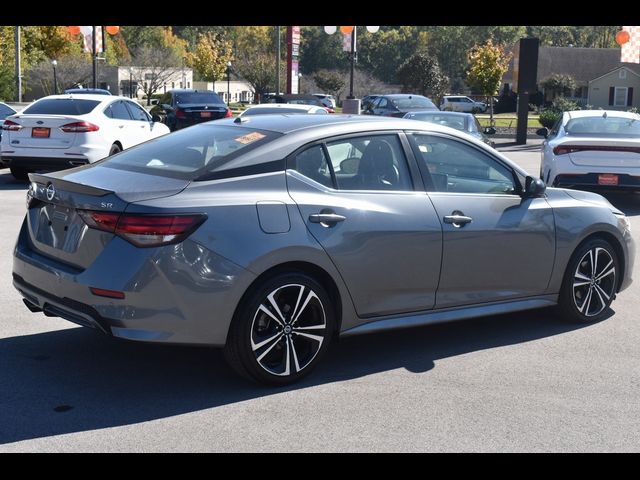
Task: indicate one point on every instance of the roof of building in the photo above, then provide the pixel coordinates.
(583, 64)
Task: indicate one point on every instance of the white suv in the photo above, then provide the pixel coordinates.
(327, 100)
(459, 103)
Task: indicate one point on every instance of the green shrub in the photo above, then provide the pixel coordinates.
(549, 117)
(561, 104)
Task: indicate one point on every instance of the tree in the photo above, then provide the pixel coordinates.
(210, 57)
(559, 84)
(488, 64)
(72, 70)
(329, 81)
(255, 60)
(157, 66)
(421, 73)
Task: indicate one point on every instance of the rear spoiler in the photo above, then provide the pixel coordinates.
(45, 180)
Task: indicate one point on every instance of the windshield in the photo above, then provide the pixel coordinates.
(604, 126)
(197, 97)
(453, 121)
(61, 106)
(192, 152)
(266, 111)
(412, 102)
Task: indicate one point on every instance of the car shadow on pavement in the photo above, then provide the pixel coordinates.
(77, 380)
(7, 182)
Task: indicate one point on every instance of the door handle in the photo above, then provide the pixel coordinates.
(120, 126)
(326, 219)
(457, 219)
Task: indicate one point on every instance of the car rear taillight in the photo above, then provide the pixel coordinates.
(79, 127)
(11, 126)
(564, 149)
(180, 113)
(145, 230)
(329, 110)
(228, 114)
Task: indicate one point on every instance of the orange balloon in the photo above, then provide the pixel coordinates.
(112, 29)
(74, 30)
(346, 30)
(622, 37)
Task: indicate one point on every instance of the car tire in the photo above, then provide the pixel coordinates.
(280, 330)
(115, 148)
(590, 282)
(19, 173)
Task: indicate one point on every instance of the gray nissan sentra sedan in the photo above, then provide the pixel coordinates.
(272, 235)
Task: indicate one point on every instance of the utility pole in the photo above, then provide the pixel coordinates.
(18, 68)
(94, 56)
(278, 61)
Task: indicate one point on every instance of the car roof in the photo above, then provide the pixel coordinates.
(289, 123)
(402, 95)
(86, 96)
(441, 112)
(88, 91)
(295, 106)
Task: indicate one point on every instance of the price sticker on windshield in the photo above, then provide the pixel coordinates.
(250, 138)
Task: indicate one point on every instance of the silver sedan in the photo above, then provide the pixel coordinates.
(272, 235)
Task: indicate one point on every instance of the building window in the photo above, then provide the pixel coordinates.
(622, 74)
(173, 84)
(620, 98)
(188, 84)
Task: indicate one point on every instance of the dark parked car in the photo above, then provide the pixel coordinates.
(182, 108)
(465, 122)
(397, 105)
(5, 111)
(367, 101)
(88, 91)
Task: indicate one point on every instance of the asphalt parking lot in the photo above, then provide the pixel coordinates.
(519, 382)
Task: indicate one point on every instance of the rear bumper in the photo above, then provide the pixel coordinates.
(590, 181)
(43, 163)
(178, 294)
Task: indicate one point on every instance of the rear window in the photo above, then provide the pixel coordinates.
(412, 102)
(191, 153)
(62, 106)
(197, 97)
(604, 126)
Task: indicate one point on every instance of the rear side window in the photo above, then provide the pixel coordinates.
(312, 163)
(193, 153)
(119, 111)
(137, 112)
(62, 106)
(5, 111)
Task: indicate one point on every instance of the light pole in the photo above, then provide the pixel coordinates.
(299, 83)
(351, 105)
(55, 77)
(229, 82)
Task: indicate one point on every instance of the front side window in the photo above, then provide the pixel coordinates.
(382, 103)
(460, 168)
(369, 162)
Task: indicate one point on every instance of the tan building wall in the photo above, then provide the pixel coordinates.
(624, 82)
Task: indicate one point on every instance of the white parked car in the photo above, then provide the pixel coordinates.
(282, 108)
(460, 103)
(327, 100)
(63, 131)
(595, 149)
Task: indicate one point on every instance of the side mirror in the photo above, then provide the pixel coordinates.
(166, 107)
(490, 130)
(155, 117)
(543, 132)
(533, 187)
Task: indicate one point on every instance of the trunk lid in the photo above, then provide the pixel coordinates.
(42, 131)
(57, 230)
(193, 111)
(607, 154)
